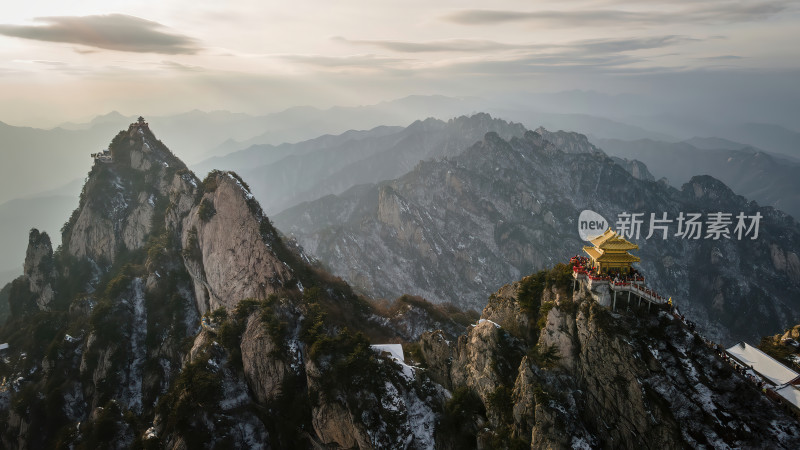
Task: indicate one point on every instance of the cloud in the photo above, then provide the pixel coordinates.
(626, 55)
(172, 65)
(719, 58)
(111, 32)
(716, 12)
(353, 61)
(481, 47)
(449, 45)
(628, 44)
(620, 56)
(589, 46)
(557, 64)
(492, 17)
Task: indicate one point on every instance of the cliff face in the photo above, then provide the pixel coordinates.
(236, 261)
(591, 378)
(39, 270)
(455, 230)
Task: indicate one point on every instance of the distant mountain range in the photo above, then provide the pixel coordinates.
(38, 161)
(773, 138)
(767, 178)
(286, 175)
(452, 230)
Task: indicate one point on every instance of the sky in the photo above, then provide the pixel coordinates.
(70, 61)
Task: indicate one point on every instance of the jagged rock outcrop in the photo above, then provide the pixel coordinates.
(787, 262)
(636, 168)
(118, 202)
(227, 229)
(331, 419)
(39, 268)
(264, 371)
(568, 142)
(474, 359)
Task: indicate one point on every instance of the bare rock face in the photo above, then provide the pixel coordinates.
(140, 159)
(605, 365)
(787, 262)
(504, 310)
(181, 189)
(139, 222)
(332, 421)
(548, 432)
(265, 372)
(395, 213)
(93, 234)
(97, 373)
(234, 261)
(474, 359)
(333, 425)
(39, 269)
(437, 353)
(558, 334)
(524, 396)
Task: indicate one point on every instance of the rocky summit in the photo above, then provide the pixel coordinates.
(174, 315)
(456, 229)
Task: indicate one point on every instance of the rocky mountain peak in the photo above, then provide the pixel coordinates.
(708, 188)
(568, 142)
(121, 196)
(39, 254)
(39, 269)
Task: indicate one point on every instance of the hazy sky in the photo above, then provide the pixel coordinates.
(72, 60)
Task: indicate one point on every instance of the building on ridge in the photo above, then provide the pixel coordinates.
(609, 253)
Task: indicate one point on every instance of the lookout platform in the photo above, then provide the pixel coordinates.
(609, 267)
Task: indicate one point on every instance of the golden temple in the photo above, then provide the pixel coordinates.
(610, 253)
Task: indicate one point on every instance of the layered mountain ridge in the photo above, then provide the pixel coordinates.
(456, 229)
(288, 174)
(769, 179)
(174, 315)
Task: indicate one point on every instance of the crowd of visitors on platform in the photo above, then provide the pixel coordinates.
(580, 265)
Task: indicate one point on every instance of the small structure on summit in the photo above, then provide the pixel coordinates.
(608, 272)
(609, 253)
(103, 156)
(140, 125)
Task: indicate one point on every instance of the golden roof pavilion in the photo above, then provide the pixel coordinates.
(610, 253)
